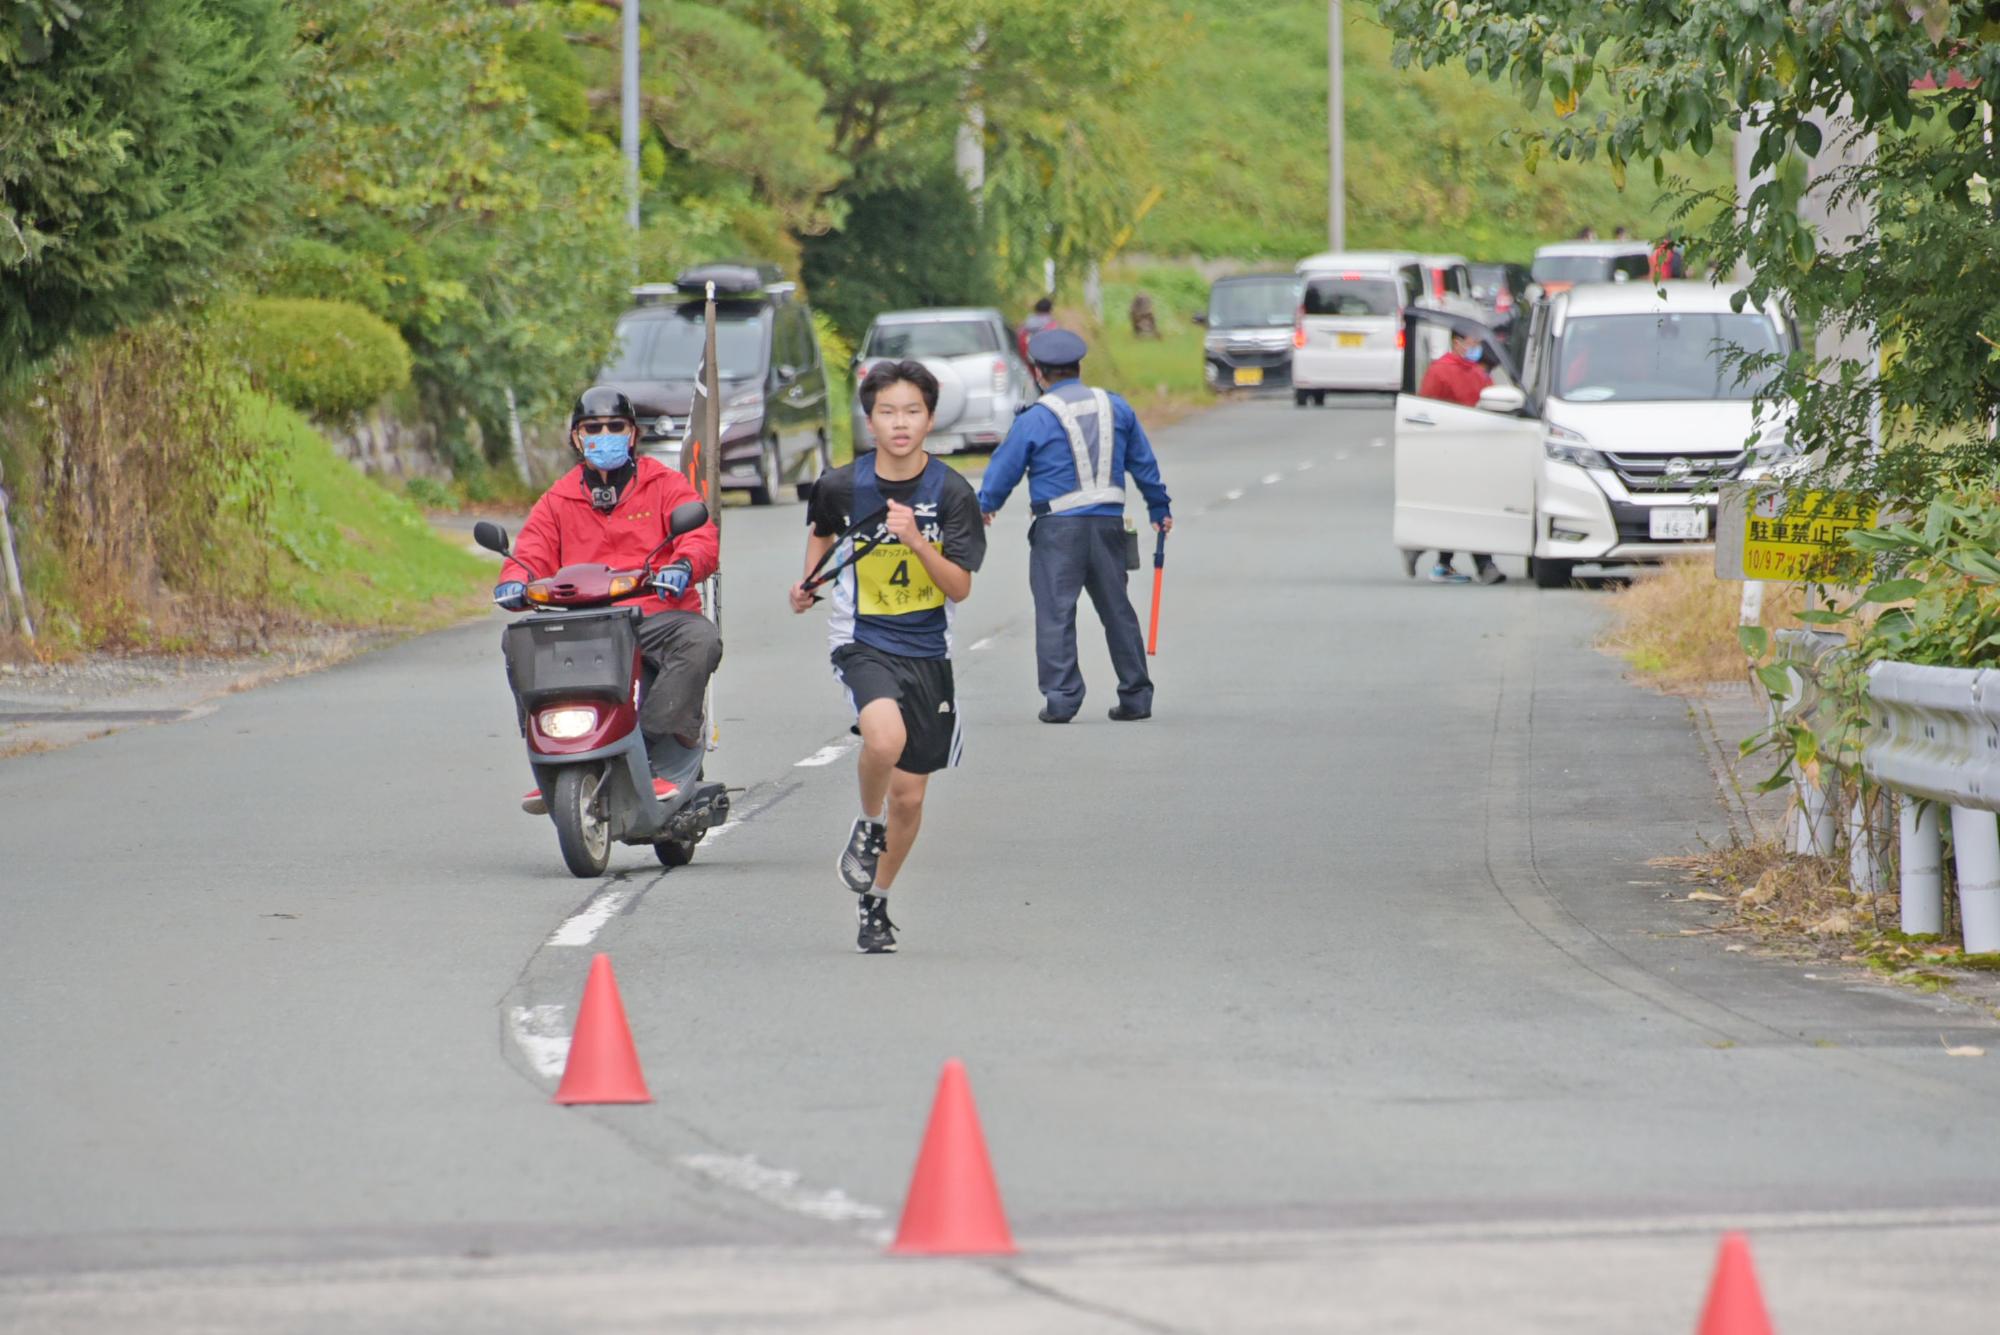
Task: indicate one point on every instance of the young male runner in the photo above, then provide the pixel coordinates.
(891, 622)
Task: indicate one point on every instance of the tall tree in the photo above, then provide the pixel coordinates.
(140, 141)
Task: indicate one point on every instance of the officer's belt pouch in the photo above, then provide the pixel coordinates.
(558, 658)
(1131, 548)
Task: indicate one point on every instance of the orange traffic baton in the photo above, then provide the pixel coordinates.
(1159, 577)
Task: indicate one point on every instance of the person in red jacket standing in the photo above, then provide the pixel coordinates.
(1457, 377)
(612, 509)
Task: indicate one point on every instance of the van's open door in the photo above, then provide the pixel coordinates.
(1465, 476)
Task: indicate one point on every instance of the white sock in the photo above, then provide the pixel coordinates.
(872, 820)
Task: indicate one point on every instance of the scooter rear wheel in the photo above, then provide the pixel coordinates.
(675, 852)
(581, 830)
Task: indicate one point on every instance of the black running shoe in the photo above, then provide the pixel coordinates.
(877, 935)
(864, 848)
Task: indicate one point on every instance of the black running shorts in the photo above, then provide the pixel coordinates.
(921, 686)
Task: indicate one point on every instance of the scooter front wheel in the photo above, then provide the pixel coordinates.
(578, 811)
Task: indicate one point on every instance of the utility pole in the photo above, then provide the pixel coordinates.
(1336, 126)
(629, 130)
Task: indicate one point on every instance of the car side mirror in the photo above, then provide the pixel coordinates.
(490, 536)
(1199, 319)
(1502, 399)
(1620, 276)
(787, 374)
(686, 518)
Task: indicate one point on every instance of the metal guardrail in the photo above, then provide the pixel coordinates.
(1936, 733)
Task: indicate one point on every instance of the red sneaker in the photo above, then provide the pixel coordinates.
(662, 790)
(534, 803)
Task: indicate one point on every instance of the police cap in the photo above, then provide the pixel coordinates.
(1056, 347)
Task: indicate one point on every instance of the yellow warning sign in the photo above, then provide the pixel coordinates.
(1802, 535)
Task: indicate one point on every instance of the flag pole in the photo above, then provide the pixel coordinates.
(705, 472)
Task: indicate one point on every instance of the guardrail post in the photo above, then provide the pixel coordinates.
(1815, 823)
(1975, 842)
(1919, 852)
(1864, 869)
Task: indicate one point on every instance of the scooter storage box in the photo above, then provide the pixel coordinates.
(565, 658)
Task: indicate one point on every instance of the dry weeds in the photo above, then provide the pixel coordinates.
(1677, 627)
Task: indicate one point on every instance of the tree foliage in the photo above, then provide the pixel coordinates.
(1800, 79)
(908, 245)
(499, 237)
(139, 144)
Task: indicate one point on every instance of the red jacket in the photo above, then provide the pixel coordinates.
(1455, 380)
(565, 529)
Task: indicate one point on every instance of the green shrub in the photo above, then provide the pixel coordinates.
(915, 243)
(836, 352)
(329, 358)
(305, 266)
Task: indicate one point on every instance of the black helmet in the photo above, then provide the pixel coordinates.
(602, 401)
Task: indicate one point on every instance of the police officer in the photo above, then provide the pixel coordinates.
(1077, 445)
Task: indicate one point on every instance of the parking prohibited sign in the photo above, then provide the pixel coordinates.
(1770, 532)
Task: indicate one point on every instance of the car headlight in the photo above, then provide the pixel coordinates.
(1774, 448)
(743, 406)
(566, 724)
(1567, 447)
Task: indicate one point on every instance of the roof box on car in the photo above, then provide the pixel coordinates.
(739, 281)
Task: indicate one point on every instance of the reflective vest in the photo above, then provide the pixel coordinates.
(1086, 419)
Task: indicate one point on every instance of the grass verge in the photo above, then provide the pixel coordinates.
(1676, 627)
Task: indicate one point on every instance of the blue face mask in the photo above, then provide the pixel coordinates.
(1476, 352)
(607, 452)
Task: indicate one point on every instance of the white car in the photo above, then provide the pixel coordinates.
(1605, 447)
(1567, 264)
(982, 381)
(1348, 334)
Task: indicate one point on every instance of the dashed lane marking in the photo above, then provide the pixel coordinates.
(1235, 495)
(1271, 479)
(582, 927)
(542, 1036)
(781, 1187)
(826, 755)
(1306, 465)
(986, 643)
(1377, 443)
(1340, 456)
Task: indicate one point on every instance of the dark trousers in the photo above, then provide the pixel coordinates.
(1067, 556)
(683, 649)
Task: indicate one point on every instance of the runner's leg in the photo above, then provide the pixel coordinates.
(906, 817)
(882, 740)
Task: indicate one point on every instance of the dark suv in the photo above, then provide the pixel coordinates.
(774, 397)
(1249, 342)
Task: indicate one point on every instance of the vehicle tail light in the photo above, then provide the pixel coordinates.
(999, 376)
(1299, 328)
(1402, 338)
(1437, 283)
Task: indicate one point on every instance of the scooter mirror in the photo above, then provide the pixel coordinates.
(686, 518)
(490, 536)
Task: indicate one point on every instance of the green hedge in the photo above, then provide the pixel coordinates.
(331, 359)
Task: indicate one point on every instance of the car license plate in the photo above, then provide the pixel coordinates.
(1671, 524)
(1352, 340)
(1249, 375)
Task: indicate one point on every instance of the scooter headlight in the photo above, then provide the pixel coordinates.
(565, 725)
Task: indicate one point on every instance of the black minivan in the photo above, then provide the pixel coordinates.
(1249, 342)
(775, 426)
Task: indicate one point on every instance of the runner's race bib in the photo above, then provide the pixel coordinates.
(893, 581)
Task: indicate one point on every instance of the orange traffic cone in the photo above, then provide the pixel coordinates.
(603, 1066)
(953, 1208)
(1734, 1306)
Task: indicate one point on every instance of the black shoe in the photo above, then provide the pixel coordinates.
(1490, 574)
(1120, 714)
(864, 849)
(877, 935)
(1047, 717)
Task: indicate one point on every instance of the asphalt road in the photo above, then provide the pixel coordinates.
(1340, 995)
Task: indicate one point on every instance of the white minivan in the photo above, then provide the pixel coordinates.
(1606, 445)
(1348, 334)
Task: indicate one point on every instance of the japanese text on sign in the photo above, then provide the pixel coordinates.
(1804, 535)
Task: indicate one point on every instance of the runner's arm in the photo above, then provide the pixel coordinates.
(954, 580)
(817, 546)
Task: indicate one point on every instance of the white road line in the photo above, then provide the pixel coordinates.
(1340, 456)
(1305, 465)
(1270, 479)
(717, 831)
(1377, 443)
(780, 1187)
(826, 755)
(581, 928)
(542, 1036)
(986, 643)
(1235, 495)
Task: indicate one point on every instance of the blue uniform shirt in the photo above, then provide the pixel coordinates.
(1038, 446)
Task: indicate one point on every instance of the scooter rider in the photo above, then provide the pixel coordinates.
(612, 509)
